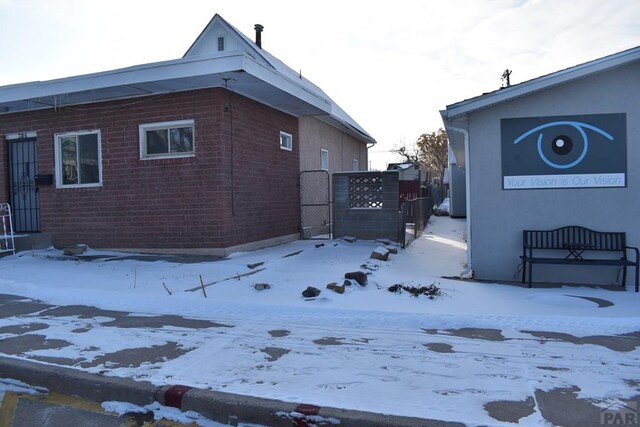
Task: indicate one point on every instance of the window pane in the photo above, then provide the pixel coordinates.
(88, 147)
(286, 141)
(182, 140)
(157, 142)
(69, 168)
(324, 159)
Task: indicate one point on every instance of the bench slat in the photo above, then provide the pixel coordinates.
(589, 261)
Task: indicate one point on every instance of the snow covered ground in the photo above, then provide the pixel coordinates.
(366, 349)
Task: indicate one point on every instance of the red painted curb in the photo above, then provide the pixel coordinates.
(308, 409)
(173, 396)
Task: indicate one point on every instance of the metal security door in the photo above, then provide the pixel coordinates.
(23, 190)
(315, 205)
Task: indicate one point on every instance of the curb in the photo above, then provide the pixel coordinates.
(218, 406)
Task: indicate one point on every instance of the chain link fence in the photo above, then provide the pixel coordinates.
(415, 214)
(315, 205)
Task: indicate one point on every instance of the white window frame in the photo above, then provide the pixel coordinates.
(142, 132)
(356, 165)
(286, 137)
(324, 152)
(58, 158)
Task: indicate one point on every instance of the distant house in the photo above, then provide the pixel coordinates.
(558, 150)
(199, 154)
(412, 180)
(409, 172)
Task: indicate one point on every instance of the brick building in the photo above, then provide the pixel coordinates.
(200, 154)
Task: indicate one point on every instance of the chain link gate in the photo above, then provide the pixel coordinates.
(315, 205)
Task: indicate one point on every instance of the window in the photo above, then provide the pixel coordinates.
(355, 165)
(324, 159)
(169, 139)
(286, 141)
(220, 44)
(78, 159)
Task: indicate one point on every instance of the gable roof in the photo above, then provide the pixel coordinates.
(586, 69)
(246, 70)
(207, 43)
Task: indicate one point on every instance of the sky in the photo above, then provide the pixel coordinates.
(392, 65)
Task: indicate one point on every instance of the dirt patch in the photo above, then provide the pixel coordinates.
(275, 353)
(293, 254)
(510, 411)
(471, 333)
(12, 309)
(553, 368)
(5, 298)
(23, 329)
(622, 343)
(439, 347)
(64, 361)
(160, 321)
(329, 341)
(562, 407)
(134, 357)
(82, 312)
(25, 343)
(279, 333)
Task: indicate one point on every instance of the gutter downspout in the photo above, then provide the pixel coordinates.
(468, 272)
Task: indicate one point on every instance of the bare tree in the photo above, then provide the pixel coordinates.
(431, 150)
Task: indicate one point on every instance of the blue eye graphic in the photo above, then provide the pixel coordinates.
(562, 145)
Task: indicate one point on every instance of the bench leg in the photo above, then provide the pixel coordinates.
(624, 277)
(530, 271)
(637, 280)
(524, 270)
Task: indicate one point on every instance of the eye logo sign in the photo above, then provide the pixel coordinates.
(562, 145)
(564, 152)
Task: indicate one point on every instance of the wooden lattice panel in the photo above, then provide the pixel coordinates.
(365, 191)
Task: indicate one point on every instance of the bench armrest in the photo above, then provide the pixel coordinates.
(635, 250)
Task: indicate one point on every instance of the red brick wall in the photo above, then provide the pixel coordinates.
(171, 203)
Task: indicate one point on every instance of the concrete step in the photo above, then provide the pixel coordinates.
(30, 241)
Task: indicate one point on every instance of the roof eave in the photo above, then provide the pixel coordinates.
(541, 83)
(222, 70)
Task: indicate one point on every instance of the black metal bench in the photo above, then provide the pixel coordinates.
(576, 246)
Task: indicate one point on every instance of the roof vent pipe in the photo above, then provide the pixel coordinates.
(259, 29)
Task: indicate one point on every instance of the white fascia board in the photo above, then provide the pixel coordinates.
(545, 82)
(277, 80)
(157, 71)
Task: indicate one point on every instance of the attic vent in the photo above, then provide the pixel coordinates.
(220, 44)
